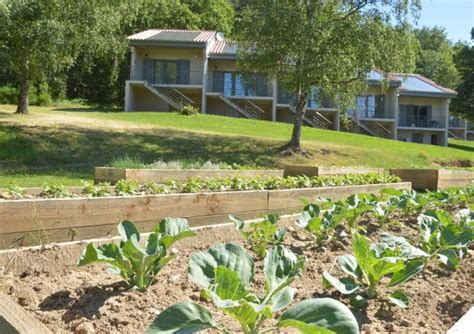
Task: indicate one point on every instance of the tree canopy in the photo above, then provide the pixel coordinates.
(331, 45)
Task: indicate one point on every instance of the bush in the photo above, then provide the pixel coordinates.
(8, 95)
(189, 110)
(127, 162)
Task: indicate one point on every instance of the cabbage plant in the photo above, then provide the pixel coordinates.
(225, 273)
(366, 268)
(138, 266)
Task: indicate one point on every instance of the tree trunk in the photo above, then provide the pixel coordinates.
(22, 106)
(294, 143)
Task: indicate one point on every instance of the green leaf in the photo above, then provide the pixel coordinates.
(449, 258)
(303, 327)
(183, 318)
(408, 250)
(399, 298)
(228, 284)
(323, 312)
(126, 229)
(346, 285)
(411, 268)
(348, 264)
(282, 299)
(358, 301)
(202, 265)
(239, 223)
(173, 229)
(281, 267)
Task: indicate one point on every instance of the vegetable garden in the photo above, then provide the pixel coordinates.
(395, 261)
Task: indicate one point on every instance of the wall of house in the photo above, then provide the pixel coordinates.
(194, 55)
(439, 106)
(144, 100)
(217, 107)
(407, 135)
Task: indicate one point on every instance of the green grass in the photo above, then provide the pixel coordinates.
(63, 145)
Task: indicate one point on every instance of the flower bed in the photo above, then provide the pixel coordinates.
(435, 179)
(51, 288)
(300, 170)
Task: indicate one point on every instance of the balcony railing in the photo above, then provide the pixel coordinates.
(228, 88)
(422, 122)
(170, 78)
(377, 113)
(457, 123)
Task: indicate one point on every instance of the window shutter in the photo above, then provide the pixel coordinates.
(148, 70)
(218, 81)
(184, 72)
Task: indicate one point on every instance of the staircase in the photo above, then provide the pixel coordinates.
(244, 106)
(374, 128)
(172, 96)
(453, 135)
(315, 119)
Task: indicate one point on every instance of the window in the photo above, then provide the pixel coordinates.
(370, 106)
(416, 116)
(171, 72)
(236, 84)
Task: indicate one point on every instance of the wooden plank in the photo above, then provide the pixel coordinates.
(300, 170)
(15, 319)
(162, 175)
(421, 179)
(46, 214)
(292, 198)
(454, 178)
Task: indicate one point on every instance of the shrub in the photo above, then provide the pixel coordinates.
(189, 110)
(138, 266)
(8, 95)
(127, 162)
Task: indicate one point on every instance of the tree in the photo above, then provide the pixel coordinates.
(331, 45)
(463, 105)
(435, 58)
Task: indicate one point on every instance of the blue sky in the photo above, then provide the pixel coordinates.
(457, 16)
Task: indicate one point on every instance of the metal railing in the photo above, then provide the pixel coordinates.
(260, 89)
(375, 113)
(457, 123)
(422, 122)
(170, 78)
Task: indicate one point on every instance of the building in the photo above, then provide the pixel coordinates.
(460, 128)
(174, 68)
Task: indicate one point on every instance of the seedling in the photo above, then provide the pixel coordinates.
(225, 273)
(139, 266)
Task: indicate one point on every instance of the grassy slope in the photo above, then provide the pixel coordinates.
(63, 145)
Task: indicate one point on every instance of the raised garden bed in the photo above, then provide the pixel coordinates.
(434, 179)
(53, 290)
(300, 170)
(39, 221)
(112, 175)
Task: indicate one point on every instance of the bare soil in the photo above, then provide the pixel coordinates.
(90, 300)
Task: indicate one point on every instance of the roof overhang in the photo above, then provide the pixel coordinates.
(426, 94)
(170, 44)
(222, 56)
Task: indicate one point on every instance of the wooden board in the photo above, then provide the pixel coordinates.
(108, 174)
(293, 198)
(300, 170)
(15, 319)
(433, 179)
(454, 178)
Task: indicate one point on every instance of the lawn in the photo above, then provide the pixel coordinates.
(62, 145)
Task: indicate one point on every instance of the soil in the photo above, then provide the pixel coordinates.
(91, 300)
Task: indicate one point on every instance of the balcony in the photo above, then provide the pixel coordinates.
(422, 122)
(378, 113)
(457, 123)
(233, 84)
(156, 75)
(286, 98)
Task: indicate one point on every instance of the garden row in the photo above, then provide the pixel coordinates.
(396, 238)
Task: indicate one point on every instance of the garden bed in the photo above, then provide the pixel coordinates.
(46, 283)
(39, 221)
(112, 175)
(300, 170)
(434, 179)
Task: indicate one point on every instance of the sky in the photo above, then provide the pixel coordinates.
(457, 16)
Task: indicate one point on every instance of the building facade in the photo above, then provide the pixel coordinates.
(174, 68)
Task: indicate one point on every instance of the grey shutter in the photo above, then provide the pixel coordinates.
(148, 70)
(184, 72)
(218, 81)
(262, 87)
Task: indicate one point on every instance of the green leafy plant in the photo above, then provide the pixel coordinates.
(55, 191)
(99, 190)
(320, 221)
(151, 187)
(225, 272)
(189, 110)
(127, 188)
(127, 161)
(366, 268)
(16, 192)
(139, 266)
(193, 185)
(260, 235)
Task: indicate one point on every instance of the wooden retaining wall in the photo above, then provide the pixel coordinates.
(112, 175)
(300, 170)
(434, 179)
(40, 221)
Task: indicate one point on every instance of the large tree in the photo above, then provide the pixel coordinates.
(435, 58)
(331, 45)
(463, 105)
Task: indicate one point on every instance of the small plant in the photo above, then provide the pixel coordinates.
(127, 162)
(259, 236)
(139, 266)
(55, 191)
(225, 273)
(189, 110)
(99, 190)
(16, 192)
(193, 185)
(156, 188)
(320, 221)
(367, 267)
(127, 188)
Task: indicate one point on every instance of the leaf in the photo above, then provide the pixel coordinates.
(183, 317)
(408, 250)
(303, 327)
(449, 258)
(126, 229)
(202, 265)
(399, 298)
(239, 223)
(323, 312)
(282, 299)
(281, 267)
(358, 301)
(173, 229)
(345, 285)
(412, 268)
(348, 264)
(228, 284)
